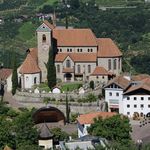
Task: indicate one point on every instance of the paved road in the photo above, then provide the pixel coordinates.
(12, 101)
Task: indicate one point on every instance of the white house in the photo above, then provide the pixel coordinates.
(129, 96)
(84, 121)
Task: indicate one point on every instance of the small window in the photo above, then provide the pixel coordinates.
(91, 50)
(89, 68)
(128, 106)
(60, 50)
(148, 106)
(142, 98)
(58, 68)
(97, 77)
(110, 93)
(148, 98)
(79, 69)
(35, 80)
(70, 50)
(142, 106)
(135, 106)
(88, 50)
(115, 64)
(128, 113)
(80, 50)
(109, 64)
(68, 64)
(117, 94)
(102, 77)
(128, 98)
(44, 38)
(135, 98)
(67, 50)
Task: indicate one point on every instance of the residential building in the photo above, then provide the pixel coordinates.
(84, 121)
(129, 95)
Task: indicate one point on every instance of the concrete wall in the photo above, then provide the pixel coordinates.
(100, 79)
(103, 62)
(114, 100)
(29, 80)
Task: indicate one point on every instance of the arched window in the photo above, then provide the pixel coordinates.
(115, 64)
(119, 63)
(58, 68)
(44, 38)
(79, 69)
(89, 68)
(34, 80)
(68, 64)
(109, 64)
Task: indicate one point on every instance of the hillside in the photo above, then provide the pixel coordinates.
(129, 28)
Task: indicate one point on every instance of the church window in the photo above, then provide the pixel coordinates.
(34, 80)
(89, 68)
(109, 64)
(119, 63)
(67, 49)
(80, 50)
(91, 50)
(79, 69)
(60, 50)
(44, 38)
(58, 68)
(115, 64)
(68, 64)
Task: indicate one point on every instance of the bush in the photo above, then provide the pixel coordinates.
(73, 117)
(92, 85)
(91, 98)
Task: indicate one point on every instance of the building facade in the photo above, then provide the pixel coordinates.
(129, 96)
(79, 56)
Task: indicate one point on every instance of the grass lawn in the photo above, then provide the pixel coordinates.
(70, 86)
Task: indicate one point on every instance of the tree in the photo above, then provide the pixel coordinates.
(92, 85)
(14, 76)
(51, 70)
(24, 129)
(115, 128)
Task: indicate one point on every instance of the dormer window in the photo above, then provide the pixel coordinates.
(44, 38)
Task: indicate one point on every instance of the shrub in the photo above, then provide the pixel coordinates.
(91, 98)
(92, 85)
(73, 117)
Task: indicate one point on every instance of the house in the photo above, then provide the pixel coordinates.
(129, 95)
(79, 56)
(84, 143)
(84, 121)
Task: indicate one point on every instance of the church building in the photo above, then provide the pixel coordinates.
(79, 56)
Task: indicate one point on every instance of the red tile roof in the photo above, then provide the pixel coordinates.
(5, 73)
(89, 118)
(100, 71)
(107, 48)
(51, 26)
(76, 57)
(74, 37)
(29, 65)
(120, 81)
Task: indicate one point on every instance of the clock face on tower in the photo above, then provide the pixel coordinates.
(45, 47)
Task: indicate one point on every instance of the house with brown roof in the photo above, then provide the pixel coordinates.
(129, 95)
(79, 55)
(85, 120)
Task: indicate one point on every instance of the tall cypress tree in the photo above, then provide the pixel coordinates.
(14, 76)
(51, 70)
